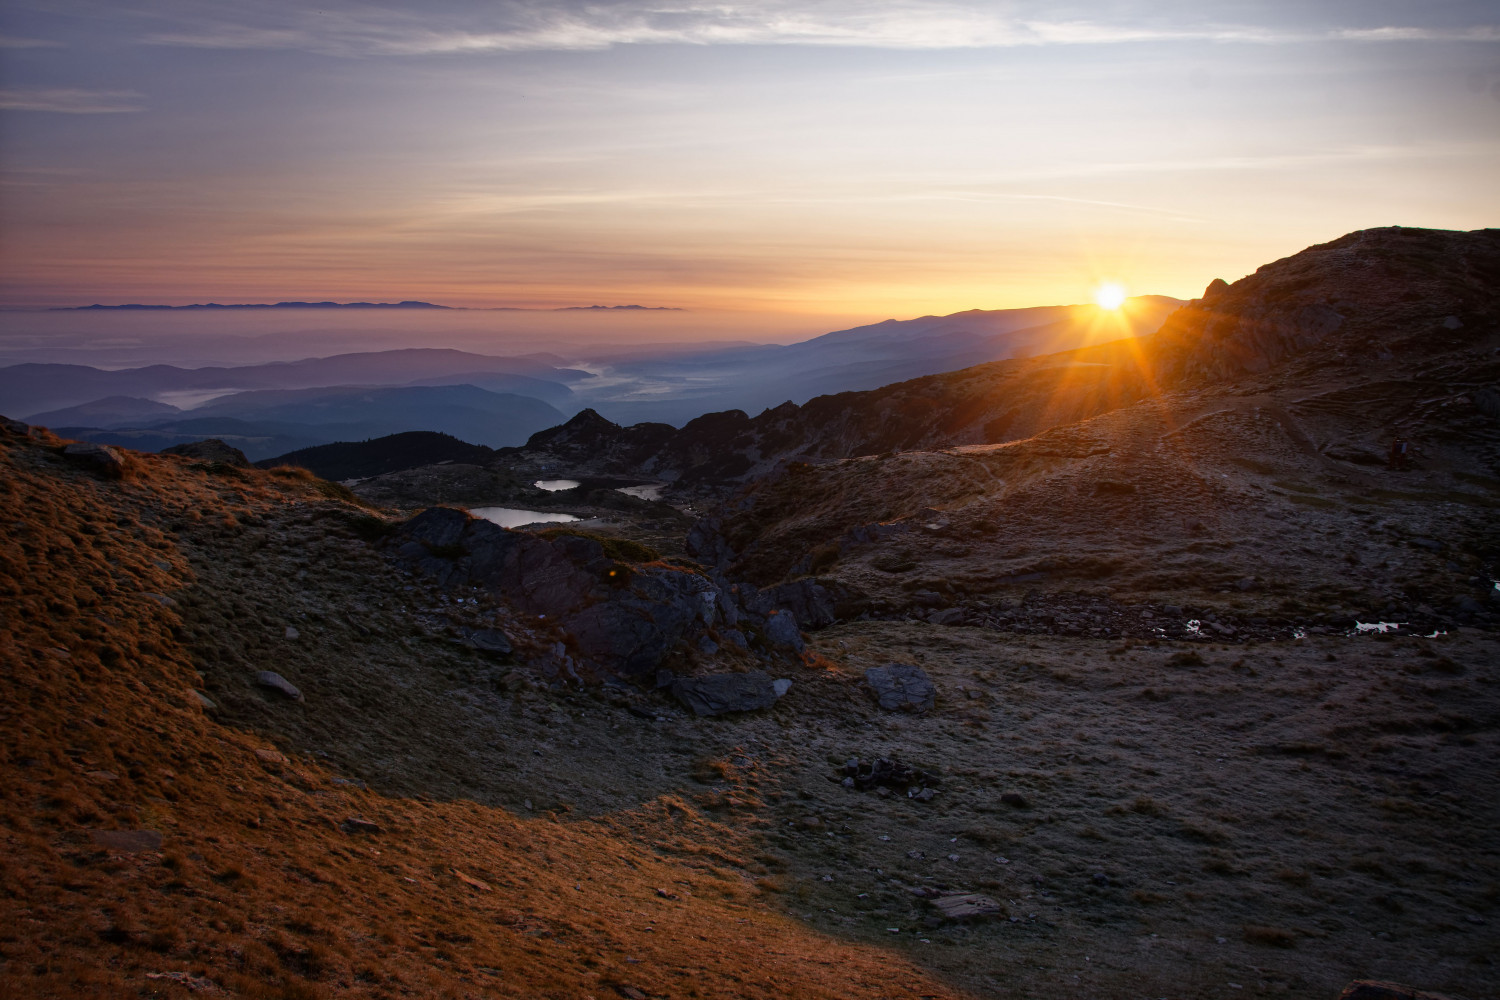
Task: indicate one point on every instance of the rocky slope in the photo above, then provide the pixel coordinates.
(410, 811)
(1354, 307)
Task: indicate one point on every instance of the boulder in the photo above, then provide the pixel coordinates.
(20, 427)
(210, 450)
(781, 630)
(272, 681)
(812, 602)
(901, 687)
(719, 694)
(490, 640)
(100, 458)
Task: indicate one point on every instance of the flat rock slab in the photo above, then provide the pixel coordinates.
(272, 681)
(901, 687)
(967, 906)
(130, 841)
(719, 694)
(490, 640)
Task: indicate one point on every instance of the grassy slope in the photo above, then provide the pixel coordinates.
(255, 886)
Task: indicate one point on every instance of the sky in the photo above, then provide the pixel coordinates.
(822, 158)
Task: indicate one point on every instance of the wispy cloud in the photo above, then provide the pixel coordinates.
(568, 25)
(16, 42)
(1392, 33)
(70, 101)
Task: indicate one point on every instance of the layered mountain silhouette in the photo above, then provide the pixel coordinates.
(867, 357)
(35, 388)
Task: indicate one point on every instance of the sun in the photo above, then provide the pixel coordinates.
(1110, 295)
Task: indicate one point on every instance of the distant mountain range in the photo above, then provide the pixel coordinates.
(496, 401)
(274, 422)
(407, 304)
(263, 305)
(33, 388)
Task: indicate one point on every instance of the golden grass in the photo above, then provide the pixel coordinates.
(256, 888)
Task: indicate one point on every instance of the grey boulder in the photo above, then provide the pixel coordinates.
(901, 687)
(490, 640)
(719, 694)
(101, 458)
(781, 630)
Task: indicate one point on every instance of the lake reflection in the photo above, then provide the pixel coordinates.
(510, 517)
(557, 485)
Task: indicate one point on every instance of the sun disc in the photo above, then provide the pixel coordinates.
(1110, 296)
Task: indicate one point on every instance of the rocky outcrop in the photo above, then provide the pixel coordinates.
(210, 450)
(619, 616)
(1381, 287)
(99, 458)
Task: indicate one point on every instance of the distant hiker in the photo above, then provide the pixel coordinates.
(1399, 449)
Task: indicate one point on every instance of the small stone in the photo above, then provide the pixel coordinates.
(1015, 799)
(354, 824)
(291, 632)
(1101, 879)
(664, 894)
(922, 795)
(204, 702)
(953, 857)
(271, 756)
(469, 880)
(161, 599)
(128, 841)
(273, 681)
(781, 686)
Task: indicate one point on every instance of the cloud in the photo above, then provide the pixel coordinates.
(1480, 33)
(356, 29)
(71, 101)
(15, 42)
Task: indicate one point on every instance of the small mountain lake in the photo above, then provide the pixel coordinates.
(557, 485)
(510, 517)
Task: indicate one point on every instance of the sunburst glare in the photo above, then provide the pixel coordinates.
(1109, 295)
